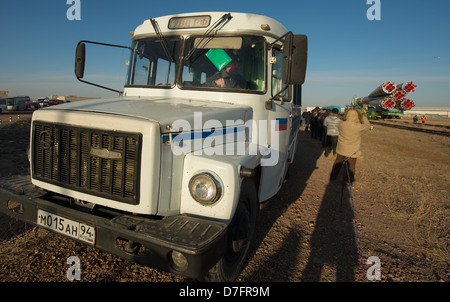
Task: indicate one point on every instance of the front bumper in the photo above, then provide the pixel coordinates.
(201, 241)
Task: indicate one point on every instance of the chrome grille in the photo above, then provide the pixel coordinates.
(97, 162)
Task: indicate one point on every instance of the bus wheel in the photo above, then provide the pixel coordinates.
(240, 235)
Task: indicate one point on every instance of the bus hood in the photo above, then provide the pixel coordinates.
(165, 111)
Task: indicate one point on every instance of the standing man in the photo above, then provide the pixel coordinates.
(307, 117)
(349, 142)
(423, 119)
(322, 130)
(314, 121)
(331, 124)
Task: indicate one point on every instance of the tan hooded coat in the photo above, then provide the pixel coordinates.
(350, 131)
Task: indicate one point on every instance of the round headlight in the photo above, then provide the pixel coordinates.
(205, 188)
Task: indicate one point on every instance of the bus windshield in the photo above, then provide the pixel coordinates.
(224, 63)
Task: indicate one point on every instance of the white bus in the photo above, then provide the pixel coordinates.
(17, 103)
(203, 132)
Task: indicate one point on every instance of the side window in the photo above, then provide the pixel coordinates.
(165, 73)
(277, 75)
(150, 63)
(142, 71)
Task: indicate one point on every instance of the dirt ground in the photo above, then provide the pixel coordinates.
(312, 230)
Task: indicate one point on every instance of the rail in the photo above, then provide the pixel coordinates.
(419, 127)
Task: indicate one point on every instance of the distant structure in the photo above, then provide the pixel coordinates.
(73, 98)
(331, 107)
(437, 111)
(3, 94)
(70, 98)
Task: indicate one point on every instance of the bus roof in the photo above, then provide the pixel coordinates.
(200, 22)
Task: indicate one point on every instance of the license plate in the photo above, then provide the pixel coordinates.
(71, 228)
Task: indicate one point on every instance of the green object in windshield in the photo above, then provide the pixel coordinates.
(218, 57)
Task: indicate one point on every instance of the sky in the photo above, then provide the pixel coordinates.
(348, 54)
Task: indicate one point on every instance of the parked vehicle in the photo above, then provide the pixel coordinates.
(53, 102)
(17, 103)
(34, 104)
(3, 106)
(43, 102)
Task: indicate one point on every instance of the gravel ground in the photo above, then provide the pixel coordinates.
(305, 232)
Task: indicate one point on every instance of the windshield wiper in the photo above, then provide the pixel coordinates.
(162, 40)
(210, 33)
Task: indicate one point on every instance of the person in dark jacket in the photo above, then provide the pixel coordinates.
(314, 122)
(306, 115)
(322, 131)
(229, 77)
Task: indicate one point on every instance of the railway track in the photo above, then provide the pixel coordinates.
(419, 128)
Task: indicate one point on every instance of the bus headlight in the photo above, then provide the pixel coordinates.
(205, 188)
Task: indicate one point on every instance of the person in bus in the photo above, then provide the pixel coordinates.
(228, 77)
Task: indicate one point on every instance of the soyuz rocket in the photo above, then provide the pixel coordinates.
(389, 96)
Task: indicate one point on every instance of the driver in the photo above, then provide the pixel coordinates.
(228, 77)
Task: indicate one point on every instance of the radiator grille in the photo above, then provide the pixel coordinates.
(97, 162)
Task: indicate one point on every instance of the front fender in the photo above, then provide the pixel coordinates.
(227, 169)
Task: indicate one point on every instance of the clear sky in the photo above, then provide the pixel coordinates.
(348, 54)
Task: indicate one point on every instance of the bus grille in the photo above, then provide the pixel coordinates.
(97, 162)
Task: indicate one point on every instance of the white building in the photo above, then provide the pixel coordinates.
(441, 111)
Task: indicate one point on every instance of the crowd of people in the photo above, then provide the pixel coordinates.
(323, 126)
(338, 134)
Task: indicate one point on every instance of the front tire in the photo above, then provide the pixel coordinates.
(240, 236)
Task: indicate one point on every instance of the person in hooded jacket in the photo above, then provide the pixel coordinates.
(331, 123)
(307, 117)
(314, 121)
(349, 142)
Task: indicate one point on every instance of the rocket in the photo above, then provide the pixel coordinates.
(382, 102)
(388, 96)
(407, 87)
(406, 104)
(399, 94)
(384, 89)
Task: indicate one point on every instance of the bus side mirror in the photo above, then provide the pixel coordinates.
(295, 54)
(297, 95)
(80, 57)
